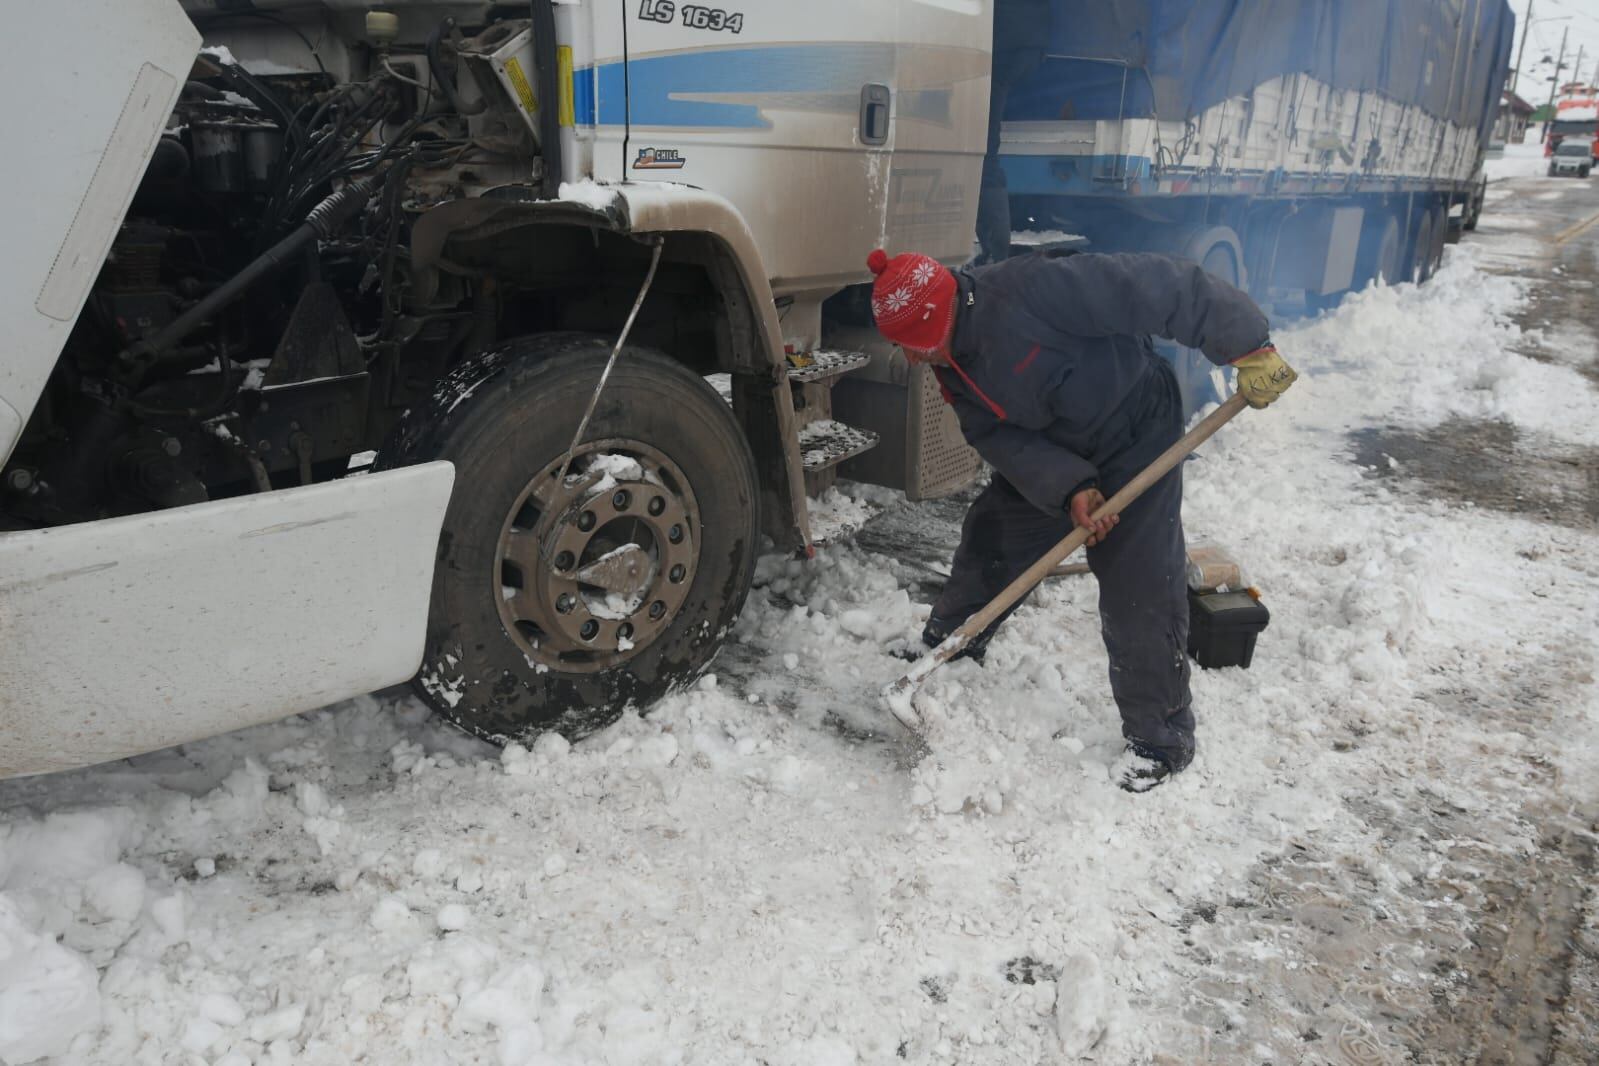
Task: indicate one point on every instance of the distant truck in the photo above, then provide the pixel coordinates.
(1576, 119)
(1298, 148)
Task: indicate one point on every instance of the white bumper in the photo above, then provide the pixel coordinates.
(132, 634)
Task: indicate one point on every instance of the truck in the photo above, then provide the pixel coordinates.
(484, 345)
(1576, 118)
(1301, 150)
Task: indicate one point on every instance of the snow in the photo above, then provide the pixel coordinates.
(619, 467)
(1519, 161)
(838, 512)
(589, 193)
(1042, 237)
(745, 876)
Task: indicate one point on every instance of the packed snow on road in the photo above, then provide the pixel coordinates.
(757, 871)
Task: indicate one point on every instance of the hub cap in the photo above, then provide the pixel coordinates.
(591, 571)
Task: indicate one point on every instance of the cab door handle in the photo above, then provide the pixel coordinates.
(874, 114)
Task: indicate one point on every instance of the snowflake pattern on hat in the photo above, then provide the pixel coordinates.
(912, 299)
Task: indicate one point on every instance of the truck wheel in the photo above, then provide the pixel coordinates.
(557, 603)
(1582, 172)
(1474, 210)
(1380, 256)
(1422, 256)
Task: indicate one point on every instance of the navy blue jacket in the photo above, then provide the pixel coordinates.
(1048, 353)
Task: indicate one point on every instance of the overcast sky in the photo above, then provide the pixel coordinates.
(1578, 19)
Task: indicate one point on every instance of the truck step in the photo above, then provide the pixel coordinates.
(822, 365)
(826, 443)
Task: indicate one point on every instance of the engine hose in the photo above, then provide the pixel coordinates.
(322, 222)
(436, 65)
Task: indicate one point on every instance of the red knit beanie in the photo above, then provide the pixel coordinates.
(913, 299)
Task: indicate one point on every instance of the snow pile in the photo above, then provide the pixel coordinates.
(837, 513)
(1519, 161)
(758, 872)
(1418, 356)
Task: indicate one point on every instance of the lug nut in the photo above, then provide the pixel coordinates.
(657, 609)
(585, 521)
(675, 534)
(621, 499)
(565, 603)
(590, 630)
(677, 573)
(564, 561)
(19, 480)
(657, 505)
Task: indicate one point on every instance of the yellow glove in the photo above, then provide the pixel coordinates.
(1263, 376)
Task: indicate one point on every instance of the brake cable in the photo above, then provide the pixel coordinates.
(627, 327)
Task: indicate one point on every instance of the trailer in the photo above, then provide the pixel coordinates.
(1297, 148)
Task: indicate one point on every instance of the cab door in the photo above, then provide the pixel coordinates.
(944, 61)
(785, 109)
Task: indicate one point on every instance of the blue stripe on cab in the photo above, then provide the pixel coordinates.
(583, 107)
(659, 83)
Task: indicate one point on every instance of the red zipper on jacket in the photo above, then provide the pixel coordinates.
(999, 412)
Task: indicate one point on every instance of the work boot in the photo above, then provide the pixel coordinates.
(938, 630)
(1143, 768)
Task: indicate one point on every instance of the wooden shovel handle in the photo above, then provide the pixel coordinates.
(1016, 590)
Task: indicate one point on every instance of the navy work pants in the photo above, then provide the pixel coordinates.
(1140, 566)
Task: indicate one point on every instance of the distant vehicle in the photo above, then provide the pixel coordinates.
(1571, 158)
(1576, 117)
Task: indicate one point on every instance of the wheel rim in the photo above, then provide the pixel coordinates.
(591, 571)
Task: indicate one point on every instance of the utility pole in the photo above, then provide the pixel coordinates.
(1554, 83)
(1526, 29)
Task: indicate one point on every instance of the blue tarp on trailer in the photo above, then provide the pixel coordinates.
(1110, 59)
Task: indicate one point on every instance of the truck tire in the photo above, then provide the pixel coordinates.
(1380, 256)
(1426, 247)
(1582, 172)
(557, 604)
(1479, 196)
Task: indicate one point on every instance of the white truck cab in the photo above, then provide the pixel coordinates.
(260, 246)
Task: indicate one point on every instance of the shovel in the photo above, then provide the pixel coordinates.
(899, 694)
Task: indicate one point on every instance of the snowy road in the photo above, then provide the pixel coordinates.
(1383, 854)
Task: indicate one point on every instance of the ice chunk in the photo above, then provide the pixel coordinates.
(48, 995)
(1080, 1003)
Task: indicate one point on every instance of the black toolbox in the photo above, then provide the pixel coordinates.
(1222, 627)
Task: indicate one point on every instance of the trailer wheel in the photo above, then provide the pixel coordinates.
(558, 602)
(1381, 254)
(1426, 248)
(1478, 198)
(1436, 241)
